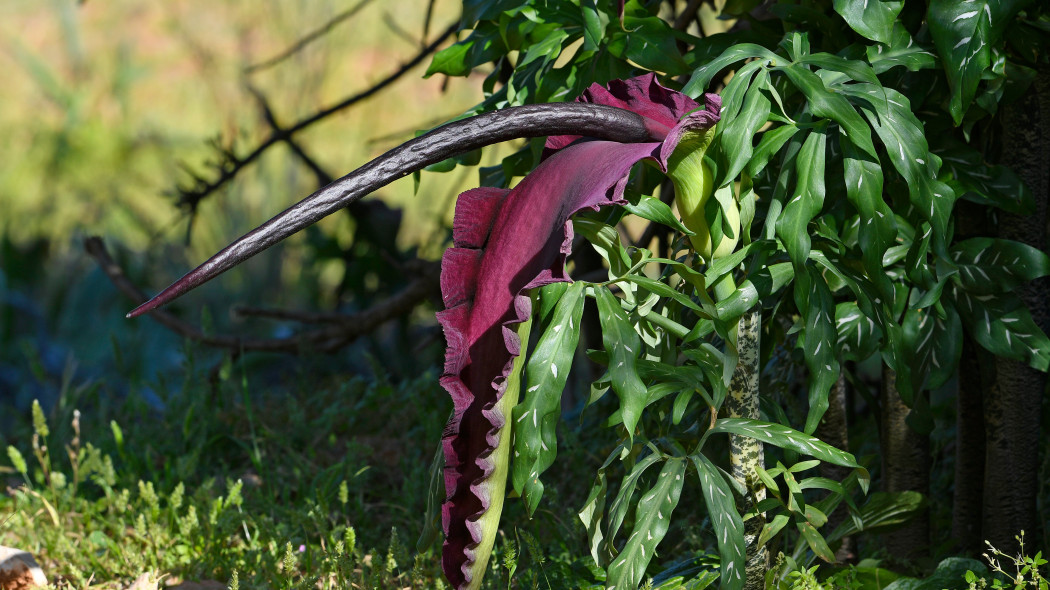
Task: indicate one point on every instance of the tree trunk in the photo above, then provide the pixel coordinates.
(969, 453)
(1012, 406)
(834, 430)
(745, 453)
(905, 467)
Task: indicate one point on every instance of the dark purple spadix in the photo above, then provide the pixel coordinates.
(439, 144)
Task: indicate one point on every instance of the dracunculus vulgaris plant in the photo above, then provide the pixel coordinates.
(506, 242)
(509, 244)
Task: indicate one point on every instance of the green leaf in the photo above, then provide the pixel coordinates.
(964, 34)
(816, 542)
(900, 50)
(819, 342)
(593, 28)
(889, 113)
(593, 509)
(623, 345)
(877, 229)
(784, 437)
(826, 104)
(1001, 323)
(873, 19)
(853, 68)
(651, 43)
(756, 288)
(663, 290)
(975, 180)
(482, 46)
(725, 520)
(858, 336)
(768, 146)
(932, 347)
(652, 518)
(990, 265)
(882, 511)
(654, 209)
(702, 76)
(475, 10)
(623, 501)
(793, 225)
(536, 417)
(735, 137)
(771, 528)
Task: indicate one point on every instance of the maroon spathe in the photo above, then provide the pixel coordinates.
(507, 242)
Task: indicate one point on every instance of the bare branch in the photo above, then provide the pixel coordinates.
(233, 164)
(308, 38)
(341, 329)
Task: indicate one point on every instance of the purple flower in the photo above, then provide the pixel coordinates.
(505, 243)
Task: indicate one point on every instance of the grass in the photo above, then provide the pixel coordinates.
(325, 486)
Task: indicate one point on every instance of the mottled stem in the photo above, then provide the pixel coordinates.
(745, 453)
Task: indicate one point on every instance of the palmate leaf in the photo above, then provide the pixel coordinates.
(536, 417)
(623, 345)
(964, 34)
(651, 521)
(725, 520)
(990, 265)
(1001, 323)
(873, 19)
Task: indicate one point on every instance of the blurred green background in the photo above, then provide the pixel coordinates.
(107, 106)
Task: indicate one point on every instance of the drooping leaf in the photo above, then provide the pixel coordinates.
(858, 336)
(624, 499)
(965, 34)
(878, 228)
(883, 510)
(738, 52)
(737, 132)
(536, 417)
(889, 113)
(807, 201)
(654, 209)
(623, 346)
(1001, 323)
(932, 347)
(725, 520)
(989, 265)
(652, 519)
(975, 180)
(815, 541)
